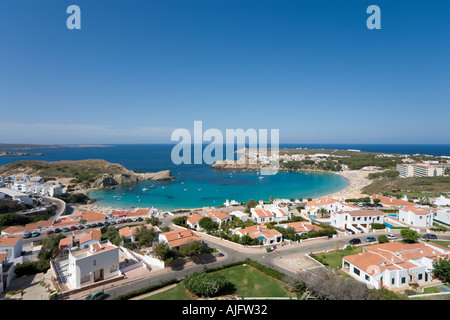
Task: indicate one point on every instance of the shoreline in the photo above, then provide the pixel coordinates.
(357, 180)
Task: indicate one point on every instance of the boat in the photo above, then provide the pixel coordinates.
(199, 189)
(144, 189)
(261, 177)
(186, 189)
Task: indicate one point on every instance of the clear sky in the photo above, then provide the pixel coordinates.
(139, 69)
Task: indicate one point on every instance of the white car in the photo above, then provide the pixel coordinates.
(391, 237)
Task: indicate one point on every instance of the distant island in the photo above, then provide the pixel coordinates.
(18, 154)
(19, 146)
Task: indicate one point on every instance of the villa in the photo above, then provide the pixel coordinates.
(6, 272)
(262, 233)
(100, 261)
(75, 218)
(128, 232)
(355, 219)
(391, 203)
(329, 204)
(301, 227)
(441, 215)
(394, 264)
(178, 238)
(261, 215)
(415, 216)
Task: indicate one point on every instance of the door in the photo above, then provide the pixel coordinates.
(98, 275)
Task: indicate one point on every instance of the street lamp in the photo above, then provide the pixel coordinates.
(90, 281)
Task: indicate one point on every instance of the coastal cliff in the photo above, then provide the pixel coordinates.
(85, 174)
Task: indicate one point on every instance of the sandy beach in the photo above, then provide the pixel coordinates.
(358, 179)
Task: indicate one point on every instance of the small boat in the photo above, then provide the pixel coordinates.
(199, 189)
(261, 177)
(186, 189)
(144, 189)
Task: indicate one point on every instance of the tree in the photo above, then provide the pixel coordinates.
(323, 213)
(376, 201)
(163, 252)
(383, 238)
(409, 235)
(441, 269)
(271, 198)
(144, 236)
(207, 224)
(250, 204)
(191, 249)
(49, 246)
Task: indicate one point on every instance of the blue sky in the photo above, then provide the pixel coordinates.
(139, 69)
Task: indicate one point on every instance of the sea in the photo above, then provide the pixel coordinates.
(199, 185)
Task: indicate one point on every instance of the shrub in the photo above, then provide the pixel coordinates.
(206, 284)
(32, 267)
(383, 238)
(378, 226)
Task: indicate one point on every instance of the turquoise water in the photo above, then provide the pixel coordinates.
(239, 186)
(216, 185)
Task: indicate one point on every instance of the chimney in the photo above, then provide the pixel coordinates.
(179, 235)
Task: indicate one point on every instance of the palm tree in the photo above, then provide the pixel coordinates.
(323, 213)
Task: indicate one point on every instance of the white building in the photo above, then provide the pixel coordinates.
(98, 262)
(416, 217)
(262, 233)
(261, 215)
(354, 219)
(6, 271)
(441, 201)
(441, 215)
(12, 245)
(240, 215)
(394, 264)
(330, 204)
(405, 170)
(18, 196)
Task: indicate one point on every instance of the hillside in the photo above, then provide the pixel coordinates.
(94, 173)
(413, 184)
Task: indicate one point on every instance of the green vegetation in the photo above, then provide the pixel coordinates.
(441, 269)
(413, 187)
(73, 198)
(387, 174)
(206, 284)
(409, 235)
(383, 238)
(334, 259)
(14, 219)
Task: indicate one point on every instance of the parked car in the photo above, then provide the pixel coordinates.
(391, 236)
(72, 228)
(134, 219)
(65, 229)
(27, 235)
(122, 221)
(80, 227)
(100, 224)
(370, 239)
(428, 236)
(50, 231)
(128, 220)
(107, 224)
(96, 295)
(350, 230)
(35, 234)
(355, 241)
(57, 230)
(140, 219)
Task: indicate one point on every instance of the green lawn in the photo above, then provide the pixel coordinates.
(176, 293)
(247, 281)
(334, 259)
(441, 243)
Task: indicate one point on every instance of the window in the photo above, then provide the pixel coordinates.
(356, 271)
(403, 279)
(367, 277)
(95, 262)
(113, 269)
(393, 281)
(419, 276)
